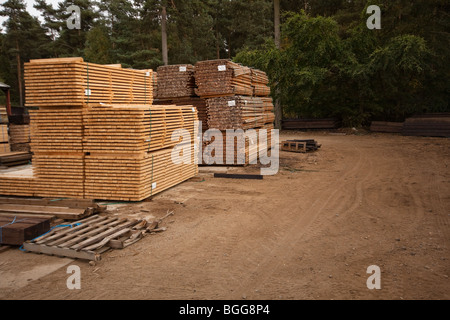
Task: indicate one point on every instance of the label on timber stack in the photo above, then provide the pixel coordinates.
(222, 68)
(147, 74)
(154, 185)
(183, 69)
(193, 110)
(232, 103)
(88, 92)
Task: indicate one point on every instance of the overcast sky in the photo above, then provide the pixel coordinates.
(30, 8)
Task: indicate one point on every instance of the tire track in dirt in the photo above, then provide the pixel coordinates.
(273, 261)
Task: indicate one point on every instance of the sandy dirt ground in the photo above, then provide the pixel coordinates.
(308, 233)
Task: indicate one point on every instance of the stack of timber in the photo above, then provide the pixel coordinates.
(238, 149)
(4, 139)
(239, 112)
(130, 150)
(13, 159)
(386, 127)
(57, 144)
(75, 83)
(15, 230)
(311, 124)
(196, 102)
(17, 181)
(175, 81)
(20, 137)
(222, 78)
(429, 125)
(260, 83)
(3, 115)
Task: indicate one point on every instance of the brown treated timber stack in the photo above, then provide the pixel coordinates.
(222, 78)
(72, 82)
(176, 81)
(386, 127)
(260, 83)
(429, 125)
(19, 137)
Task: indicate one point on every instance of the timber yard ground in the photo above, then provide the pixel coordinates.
(309, 232)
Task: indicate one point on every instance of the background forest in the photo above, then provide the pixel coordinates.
(326, 64)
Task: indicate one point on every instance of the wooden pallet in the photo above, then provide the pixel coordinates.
(90, 238)
(300, 146)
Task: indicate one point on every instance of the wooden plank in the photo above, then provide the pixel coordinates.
(238, 176)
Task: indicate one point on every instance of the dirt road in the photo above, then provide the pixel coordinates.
(310, 232)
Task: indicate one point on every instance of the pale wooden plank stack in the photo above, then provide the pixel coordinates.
(4, 139)
(136, 163)
(75, 83)
(3, 115)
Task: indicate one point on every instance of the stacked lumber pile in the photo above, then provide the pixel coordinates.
(222, 78)
(75, 83)
(430, 125)
(57, 145)
(260, 83)
(20, 137)
(14, 231)
(239, 112)
(237, 98)
(386, 127)
(311, 124)
(133, 161)
(241, 149)
(4, 139)
(13, 159)
(176, 81)
(3, 115)
(17, 181)
(176, 86)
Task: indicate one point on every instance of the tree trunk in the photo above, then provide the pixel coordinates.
(165, 53)
(278, 109)
(19, 74)
(277, 23)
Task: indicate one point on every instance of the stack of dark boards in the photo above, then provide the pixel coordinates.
(12, 159)
(300, 146)
(176, 86)
(19, 137)
(386, 127)
(14, 231)
(176, 81)
(430, 125)
(237, 98)
(222, 78)
(311, 124)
